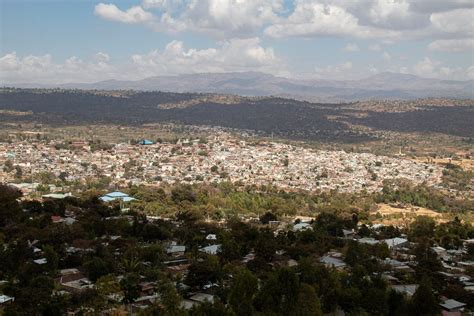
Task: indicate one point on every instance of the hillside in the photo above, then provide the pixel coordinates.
(267, 115)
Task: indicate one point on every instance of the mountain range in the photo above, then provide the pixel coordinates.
(385, 85)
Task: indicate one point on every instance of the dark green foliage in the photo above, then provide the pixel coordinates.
(268, 217)
(243, 292)
(96, 267)
(424, 302)
(130, 287)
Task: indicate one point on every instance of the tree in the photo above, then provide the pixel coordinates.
(267, 217)
(8, 166)
(10, 209)
(107, 285)
(130, 287)
(308, 302)
(424, 301)
(329, 223)
(96, 267)
(428, 262)
(397, 304)
(51, 257)
(423, 226)
(204, 271)
(242, 292)
(280, 293)
(183, 193)
(170, 301)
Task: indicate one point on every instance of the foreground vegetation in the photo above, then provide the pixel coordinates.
(262, 286)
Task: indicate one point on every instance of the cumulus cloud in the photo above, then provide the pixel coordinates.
(311, 18)
(219, 18)
(42, 69)
(452, 45)
(233, 55)
(340, 71)
(131, 16)
(386, 20)
(458, 21)
(351, 47)
(375, 47)
(175, 58)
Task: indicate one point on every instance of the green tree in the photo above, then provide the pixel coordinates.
(242, 292)
(130, 287)
(308, 302)
(96, 267)
(424, 302)
(423, 226)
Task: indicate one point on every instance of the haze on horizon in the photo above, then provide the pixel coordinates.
(61, 41)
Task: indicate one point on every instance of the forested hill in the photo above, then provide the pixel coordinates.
(283, 117)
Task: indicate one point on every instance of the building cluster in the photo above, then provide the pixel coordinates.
(222, 158)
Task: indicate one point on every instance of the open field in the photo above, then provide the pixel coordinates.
(403, 215)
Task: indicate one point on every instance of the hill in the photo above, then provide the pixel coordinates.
(381, 86)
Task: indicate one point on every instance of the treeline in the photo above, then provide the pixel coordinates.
(423, 196)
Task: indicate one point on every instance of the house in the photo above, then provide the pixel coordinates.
(146, 142)
(117, 195)
(348, 233)
(368, 241)
(211, 250)
(301, 226)
(68, 275)
(58, 196)
(332, 262)
(406, 289)
(57, 219)
(211, 237)
(202, 298)
(176, 250)
(5, 299)
(450, 305)
(77, 286)
(40, 261)
(396, 242)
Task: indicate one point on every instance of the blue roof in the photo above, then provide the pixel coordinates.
(128, 199)
(105, 198)
(116, 194)
(146, 142)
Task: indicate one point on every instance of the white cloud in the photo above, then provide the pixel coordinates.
(375, 47)
(453, 45)
(131, 16)
(233, 55)
(351, 47)
(228, 56)
(430, 68)
(386, 20)
(426, 68)
(339, 72)
(386, 56)
(311, 18)
(218, 18)
(433, 6)
(460, 22)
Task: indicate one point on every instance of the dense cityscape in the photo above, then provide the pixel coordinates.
(219, 158)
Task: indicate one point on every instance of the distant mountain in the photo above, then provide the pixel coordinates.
(381, 86)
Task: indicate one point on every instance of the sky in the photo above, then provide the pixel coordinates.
(60, 41)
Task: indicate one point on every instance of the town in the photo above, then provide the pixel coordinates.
(221, 157)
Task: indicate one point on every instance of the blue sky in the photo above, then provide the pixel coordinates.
(85, 41)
